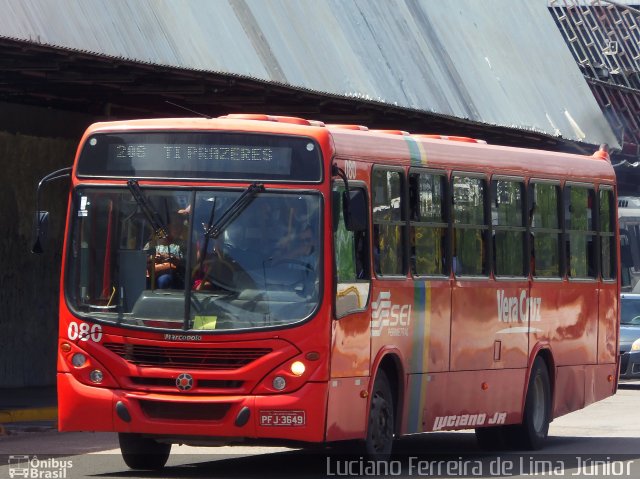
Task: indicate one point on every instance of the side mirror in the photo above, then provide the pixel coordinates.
(41, 231)
(355, 210)
(41, 220)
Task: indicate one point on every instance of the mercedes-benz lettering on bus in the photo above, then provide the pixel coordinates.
(254, 277)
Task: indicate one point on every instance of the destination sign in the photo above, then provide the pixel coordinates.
(200, 155)
(227, 158)
(198, 152)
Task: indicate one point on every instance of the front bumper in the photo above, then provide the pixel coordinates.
(88, 408)
(630, 365)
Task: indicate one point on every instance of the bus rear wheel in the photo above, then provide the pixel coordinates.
(533, 431)
(141, 452)
(380, 430)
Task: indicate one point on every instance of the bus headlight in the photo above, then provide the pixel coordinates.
(636, 345)
(96, 376)
(279, 383)
(78, 360)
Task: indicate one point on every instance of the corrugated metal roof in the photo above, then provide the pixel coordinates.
(500, 62)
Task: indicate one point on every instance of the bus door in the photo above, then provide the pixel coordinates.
(350, 336)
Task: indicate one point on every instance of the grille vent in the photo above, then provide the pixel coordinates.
(187, 358)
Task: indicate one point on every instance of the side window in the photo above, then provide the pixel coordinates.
(607, 233)
(351, 260)
(429, 231)
(509, 230)
(469, 226)
(580, 234)
(544, 219)
(388, 222)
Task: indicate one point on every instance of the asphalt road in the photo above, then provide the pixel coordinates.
(600, 440)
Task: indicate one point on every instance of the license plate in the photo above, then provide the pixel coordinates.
(282, 418)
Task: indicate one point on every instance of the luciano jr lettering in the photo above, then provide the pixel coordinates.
(468, 420)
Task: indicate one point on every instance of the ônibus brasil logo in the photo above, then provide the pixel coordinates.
(32, 467)
(396, 318)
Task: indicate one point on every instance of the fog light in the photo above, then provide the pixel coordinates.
(78, 360)
(298, 368)
(96, 376)
(279, 383)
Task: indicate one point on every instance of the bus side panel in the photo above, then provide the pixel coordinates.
(566, 319)
(412, 317)
(608, 324)
(569, 390)
(350, 343)
(466, 399)
(600, 382)
(431, 329)
(350, 357)
(347, 408)
(488, 325)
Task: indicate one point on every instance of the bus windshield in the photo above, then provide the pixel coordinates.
(162, 259)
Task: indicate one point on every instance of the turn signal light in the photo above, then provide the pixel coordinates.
(312, 355)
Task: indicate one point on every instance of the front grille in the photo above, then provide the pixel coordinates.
(187, 358)
(184, 411)
(199, 383)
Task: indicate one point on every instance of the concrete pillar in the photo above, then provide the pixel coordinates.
(29, 284)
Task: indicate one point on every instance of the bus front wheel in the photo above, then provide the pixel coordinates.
(380, 430)
(141, 452)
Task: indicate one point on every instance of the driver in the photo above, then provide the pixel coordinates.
(298, 246)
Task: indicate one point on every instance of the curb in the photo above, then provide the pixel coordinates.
(28, 415)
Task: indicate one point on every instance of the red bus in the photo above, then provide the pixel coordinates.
(254, 277)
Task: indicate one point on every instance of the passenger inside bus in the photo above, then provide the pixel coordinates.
(167, 268)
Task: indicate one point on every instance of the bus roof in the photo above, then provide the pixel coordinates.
(394, 146)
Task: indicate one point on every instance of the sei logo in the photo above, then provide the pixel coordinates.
(84, 332)
(385, 315)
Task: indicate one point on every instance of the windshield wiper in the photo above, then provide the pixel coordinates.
(237, 207)
(159, 227)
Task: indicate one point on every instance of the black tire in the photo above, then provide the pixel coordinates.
(533, 432)
(140, 452)
(381, 424)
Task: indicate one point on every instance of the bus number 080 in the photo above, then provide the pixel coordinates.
(84, 332)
